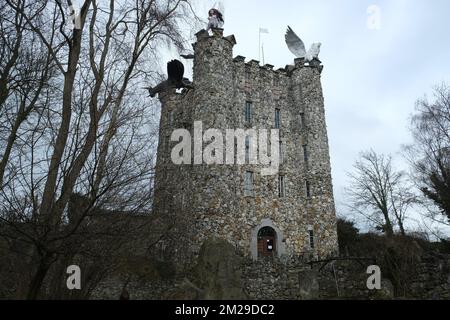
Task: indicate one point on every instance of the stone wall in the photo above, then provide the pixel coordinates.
(432, 279)
(347, 280)
(111, 289)
(273, 279)
(344, 280)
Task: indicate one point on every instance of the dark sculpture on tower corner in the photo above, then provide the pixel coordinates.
(215, 19)
(175, 80)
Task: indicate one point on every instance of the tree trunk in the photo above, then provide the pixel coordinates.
(388, 225)
(38, 278)
(402, 229)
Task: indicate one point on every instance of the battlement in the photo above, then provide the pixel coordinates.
(219, 49)
(287, 70)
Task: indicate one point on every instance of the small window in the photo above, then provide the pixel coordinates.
(281, 187)
(248, 183)
(311, 238)
(281, 152)
(248, 112)
(305, 154)
(302, 121)
(308, 189)
(247, 149)
(167, 145)
(277, 119)
(171, 117)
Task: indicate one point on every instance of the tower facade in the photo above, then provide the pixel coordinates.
(286, 214)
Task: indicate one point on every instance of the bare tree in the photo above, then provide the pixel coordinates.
(92, 133)
(429, 155)
(379, 193)
(25, 72)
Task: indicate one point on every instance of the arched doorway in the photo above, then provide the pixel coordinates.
(278, 244)
(267, 243)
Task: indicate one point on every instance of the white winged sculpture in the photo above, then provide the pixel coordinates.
(297, 47)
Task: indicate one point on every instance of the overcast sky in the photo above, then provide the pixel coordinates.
(371, 77)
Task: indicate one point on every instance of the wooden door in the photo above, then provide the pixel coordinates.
(266, 246)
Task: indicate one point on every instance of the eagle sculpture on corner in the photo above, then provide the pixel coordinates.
(175, 80)
(297, 47)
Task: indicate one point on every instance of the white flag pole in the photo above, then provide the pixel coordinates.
(261, 30)
(259, 45)
(262, 49)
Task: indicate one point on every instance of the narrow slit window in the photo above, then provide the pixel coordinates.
(171, 117)
(277, 118)
(308, 189)
(167, 145)
(248, 111)
(248, 183)
(281, 152)
(302, 121)
(311, 238)
(305, 154)
(247, 149)
(281, 187)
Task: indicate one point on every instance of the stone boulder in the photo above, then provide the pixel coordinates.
(385, 293)
(308, 285)
(217, 272)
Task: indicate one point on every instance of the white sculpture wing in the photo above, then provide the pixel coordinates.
(313, 51)
(221, 8)
(295, 44)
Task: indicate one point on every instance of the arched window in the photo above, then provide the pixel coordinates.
(267, 245)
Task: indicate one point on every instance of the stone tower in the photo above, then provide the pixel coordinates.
(286, 215)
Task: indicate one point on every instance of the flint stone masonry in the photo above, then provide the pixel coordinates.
(201, 201)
